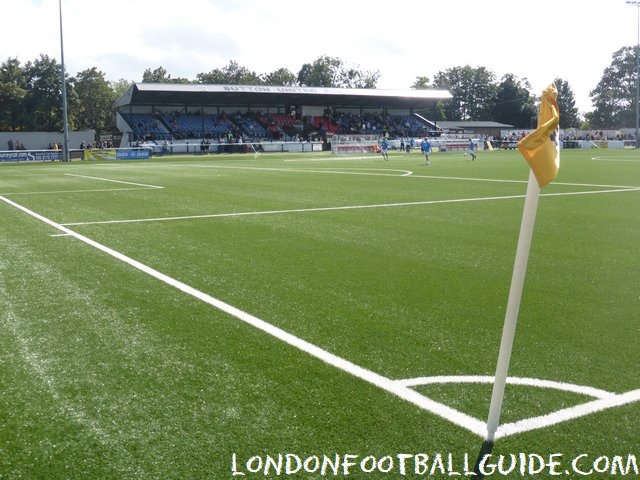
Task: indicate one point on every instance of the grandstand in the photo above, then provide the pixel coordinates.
(239, 114)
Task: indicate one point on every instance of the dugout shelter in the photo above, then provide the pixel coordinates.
(178, 112)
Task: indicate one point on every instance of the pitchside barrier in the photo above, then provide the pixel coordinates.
(341, 145)
(598, 144)
(17, 156)
(365, 144)
(197, 147)
(135, 153)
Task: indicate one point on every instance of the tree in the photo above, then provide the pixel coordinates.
(232, 74)
(120, 87)
(421, 83)
(438, 112)
(238, 75)
(215, 77)
(282, 77)
(514, 105)
(323, 72)
(354, 78)
(43, 100)
(331, 72)
(566, 105)
(30, 95)
(615, 95)
(160, 75)
(13, 90)
(473, 91)
(483, 93)
(95, 109)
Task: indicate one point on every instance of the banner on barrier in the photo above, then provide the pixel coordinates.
(117, 154)
(30, 156)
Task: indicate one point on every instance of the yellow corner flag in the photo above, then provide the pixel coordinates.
(540, 148)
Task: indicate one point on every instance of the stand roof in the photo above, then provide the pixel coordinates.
(153, 94)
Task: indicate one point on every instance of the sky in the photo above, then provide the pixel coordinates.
(537, 40)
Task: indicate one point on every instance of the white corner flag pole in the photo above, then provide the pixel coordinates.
(513, 304)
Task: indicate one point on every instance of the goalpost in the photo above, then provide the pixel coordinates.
(256, 151)
(354, 144)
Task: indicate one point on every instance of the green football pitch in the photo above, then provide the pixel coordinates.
(316, 316)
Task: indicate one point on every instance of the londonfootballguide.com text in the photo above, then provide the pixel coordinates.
(438, 464)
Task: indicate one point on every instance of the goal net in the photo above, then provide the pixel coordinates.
(355, 144)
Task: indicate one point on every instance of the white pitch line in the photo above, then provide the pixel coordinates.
(565, 184)
(295, 210)
(345, 171)
(408, 174)
(400, 389)
(360, 171)
(326, 159)
(590, 192)
(391, 386)
(92, 190)
(404, 173)
(114, 181)
(603, 400)
(530, 382)
(344, 207)
(567, 414)
(140, 186)
(614, 159)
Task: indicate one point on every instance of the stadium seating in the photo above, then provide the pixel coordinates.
(325, 123)
(146, 127)
(256, 126)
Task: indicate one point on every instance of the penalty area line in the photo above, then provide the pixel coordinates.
(296, 210)
(339, 208)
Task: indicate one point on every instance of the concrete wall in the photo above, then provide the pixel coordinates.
(42, 140)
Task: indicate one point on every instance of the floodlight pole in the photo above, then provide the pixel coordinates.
(636, 3)
(65, 122)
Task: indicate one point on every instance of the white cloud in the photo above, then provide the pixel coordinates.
(539, 40)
